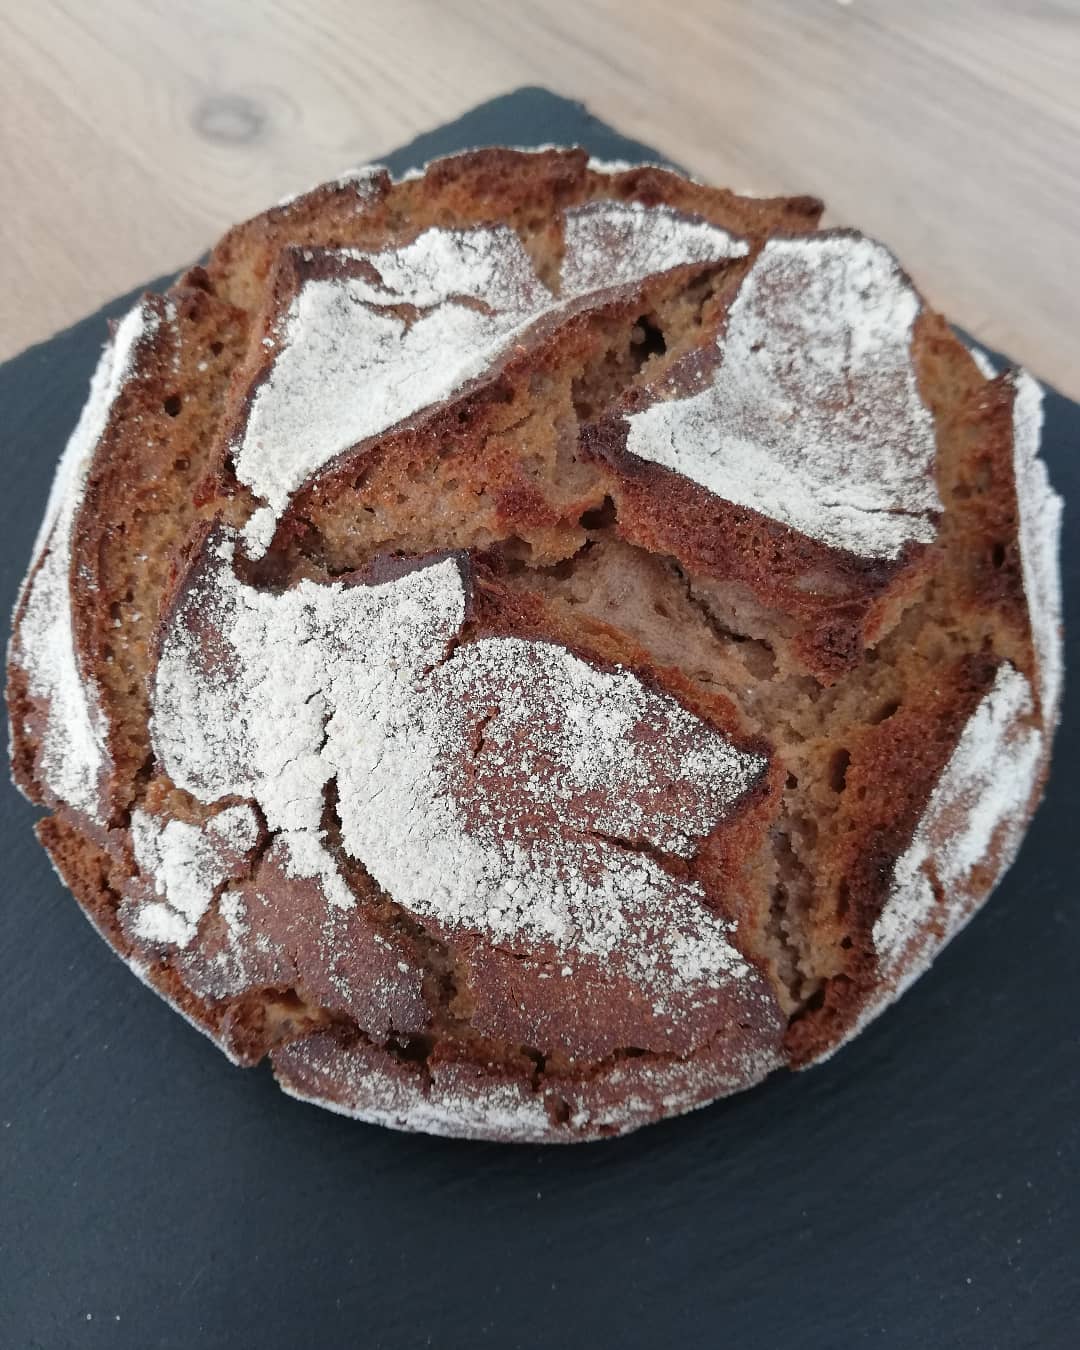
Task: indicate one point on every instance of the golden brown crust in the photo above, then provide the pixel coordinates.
(480, 186)
(152, 454)
(852, 678)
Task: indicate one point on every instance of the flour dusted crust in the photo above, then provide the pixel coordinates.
(70, 753)
(536, 646)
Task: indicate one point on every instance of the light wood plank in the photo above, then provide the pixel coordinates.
(135, 131)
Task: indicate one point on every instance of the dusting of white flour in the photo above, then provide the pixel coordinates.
(348, 366)
(501, 785)
(73, 743)
(353, 682)
(618, 243)
(362, 180)
(1040, 510)
(981, 798)
(813, 417)
(185, 864)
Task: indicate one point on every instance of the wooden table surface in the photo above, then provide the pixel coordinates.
(134, 131)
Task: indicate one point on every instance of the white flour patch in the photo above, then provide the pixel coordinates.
(520, 839)
(350, 366)
(73, 744)
(1041, 512)
(981, 798)
(611, 166)
(986, 367)
(618, 243)
(258, 532)
(185, 864)
(305, 857)
(813, 417)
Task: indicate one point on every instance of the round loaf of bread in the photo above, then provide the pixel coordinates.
(537, 645)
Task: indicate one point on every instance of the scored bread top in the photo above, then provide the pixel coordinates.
(418, 324)
(536, 645)
(501, 787)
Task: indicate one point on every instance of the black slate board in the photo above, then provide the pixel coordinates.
(920, 1190)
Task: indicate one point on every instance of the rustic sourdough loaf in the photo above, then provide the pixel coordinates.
(535, 646)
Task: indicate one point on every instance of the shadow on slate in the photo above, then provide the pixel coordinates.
(921, 1189)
